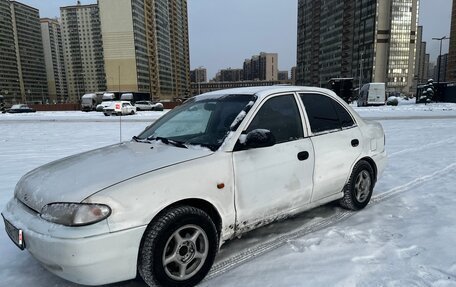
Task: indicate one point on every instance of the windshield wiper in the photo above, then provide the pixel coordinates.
(168, 141)
(140, 140)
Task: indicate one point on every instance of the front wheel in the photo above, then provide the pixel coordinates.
(358, 191)
(178, 248)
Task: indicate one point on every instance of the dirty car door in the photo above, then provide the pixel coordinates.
(272, 181)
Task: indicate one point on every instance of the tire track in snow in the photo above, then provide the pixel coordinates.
(437, 143)
(251, 253)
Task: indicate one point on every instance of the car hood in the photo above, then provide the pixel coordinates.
(74, 178)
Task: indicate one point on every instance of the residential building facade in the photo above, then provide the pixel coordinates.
(231, 75)
(440, 69)
(198, 75)
(29, 53)
(451, 72)
(369, 40)
(283, 75)
(83, 45)
(54, 60)
(293, 75)
(9, 80)
(146, 46)
(420, 58)
(263, 67)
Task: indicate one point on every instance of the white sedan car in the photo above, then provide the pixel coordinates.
(119, 108)
(220, 165)
(148, 106)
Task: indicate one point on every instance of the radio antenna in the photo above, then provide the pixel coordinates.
(120, 127)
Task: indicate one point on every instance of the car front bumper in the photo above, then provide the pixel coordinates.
(89, 255)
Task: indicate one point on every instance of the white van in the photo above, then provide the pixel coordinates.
(88, 102)
(372, 94)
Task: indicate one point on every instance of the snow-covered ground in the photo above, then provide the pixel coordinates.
(405, 237)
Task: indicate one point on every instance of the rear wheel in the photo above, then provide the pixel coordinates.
(178, 248)
(358, 191)
(106, 114)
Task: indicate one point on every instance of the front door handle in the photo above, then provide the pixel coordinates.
(303, 155)
(355, 143)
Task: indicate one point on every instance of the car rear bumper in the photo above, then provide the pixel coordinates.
(91, 259)
(381, 160)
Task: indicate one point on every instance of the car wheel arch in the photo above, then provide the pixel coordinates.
(202, 204)
(372, 164)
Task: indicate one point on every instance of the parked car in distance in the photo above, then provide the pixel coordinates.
(106, 100)
(148, 106)
(119, 108)
(221, 164)
(20, 108)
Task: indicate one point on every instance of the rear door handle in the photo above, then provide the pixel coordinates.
(303, 155)
(355, 143)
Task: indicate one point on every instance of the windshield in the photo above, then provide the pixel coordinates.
(204, 122)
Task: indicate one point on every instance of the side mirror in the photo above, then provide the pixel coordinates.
(259, 138)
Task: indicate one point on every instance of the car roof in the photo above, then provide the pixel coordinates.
(261, 91)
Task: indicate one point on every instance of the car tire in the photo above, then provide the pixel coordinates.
(358, 190)
(187, 239)
(106, 114)
(132, 112)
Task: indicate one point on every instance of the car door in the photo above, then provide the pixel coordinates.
(336, 141)
(272, 181)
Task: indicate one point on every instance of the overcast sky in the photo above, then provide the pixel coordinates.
(224, 33)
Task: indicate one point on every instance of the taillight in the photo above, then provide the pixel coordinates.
(117, 106)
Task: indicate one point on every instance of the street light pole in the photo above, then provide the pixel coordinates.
(440, 56)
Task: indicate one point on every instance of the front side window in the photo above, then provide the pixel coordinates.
(281, 116)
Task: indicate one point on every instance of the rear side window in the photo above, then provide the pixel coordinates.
(325, 114)
(346, 120)
(281, 116)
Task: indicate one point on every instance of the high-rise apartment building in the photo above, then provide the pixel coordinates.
(442, 64)
(29, 52)
(146, 46)
(420, 58)
(83, 45)
(283, 75)
(369, 40)
(263, 67)
(451, 72)
(198, 75)
(426, 74)
(231, 75)
(293, 75)
(9, 79)
(54, 60)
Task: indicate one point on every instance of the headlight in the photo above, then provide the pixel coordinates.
(75, 214)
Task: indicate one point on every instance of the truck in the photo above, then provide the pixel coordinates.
(134, 97)
(90, 101)
(343, 87)
(372, 94)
